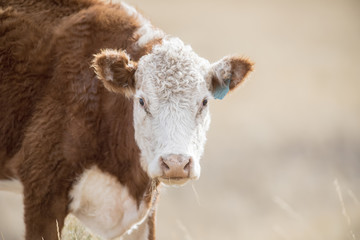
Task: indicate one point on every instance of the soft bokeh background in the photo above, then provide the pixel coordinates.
(282, 159)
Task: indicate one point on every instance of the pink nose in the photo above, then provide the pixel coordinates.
(175, 166)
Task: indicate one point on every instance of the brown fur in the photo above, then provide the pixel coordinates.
(116, 71)
(240, 68)
(57, 119)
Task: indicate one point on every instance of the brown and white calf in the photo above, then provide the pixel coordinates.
(98, 107)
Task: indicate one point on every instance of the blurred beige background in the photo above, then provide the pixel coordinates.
(282, 159)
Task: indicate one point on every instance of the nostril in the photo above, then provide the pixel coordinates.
(187, 166)
(164, 165)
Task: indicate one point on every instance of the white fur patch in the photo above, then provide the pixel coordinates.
(171, 81)
(13, 185)
(147, 32)
(105, 206)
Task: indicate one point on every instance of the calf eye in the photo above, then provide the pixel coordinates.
(205, 102)
(141, 101)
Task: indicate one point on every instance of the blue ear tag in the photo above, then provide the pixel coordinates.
(222, 90)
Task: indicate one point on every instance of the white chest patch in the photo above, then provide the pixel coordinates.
(104, 205)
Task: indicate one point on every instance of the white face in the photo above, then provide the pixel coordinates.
(171, 114)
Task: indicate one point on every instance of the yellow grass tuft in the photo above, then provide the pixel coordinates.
(74, 230)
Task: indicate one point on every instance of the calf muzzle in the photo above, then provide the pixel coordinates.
(176, 166)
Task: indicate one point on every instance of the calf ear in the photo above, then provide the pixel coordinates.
(228, 73)
(115, 69)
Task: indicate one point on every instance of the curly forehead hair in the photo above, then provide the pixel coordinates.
(172, 68)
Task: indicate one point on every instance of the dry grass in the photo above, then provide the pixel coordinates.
(344, 211)
(74, 230)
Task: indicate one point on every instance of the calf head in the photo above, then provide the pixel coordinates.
(170, 88)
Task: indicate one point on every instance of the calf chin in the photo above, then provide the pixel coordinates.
(174, 181)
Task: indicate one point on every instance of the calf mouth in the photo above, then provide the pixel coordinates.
(174, 181)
